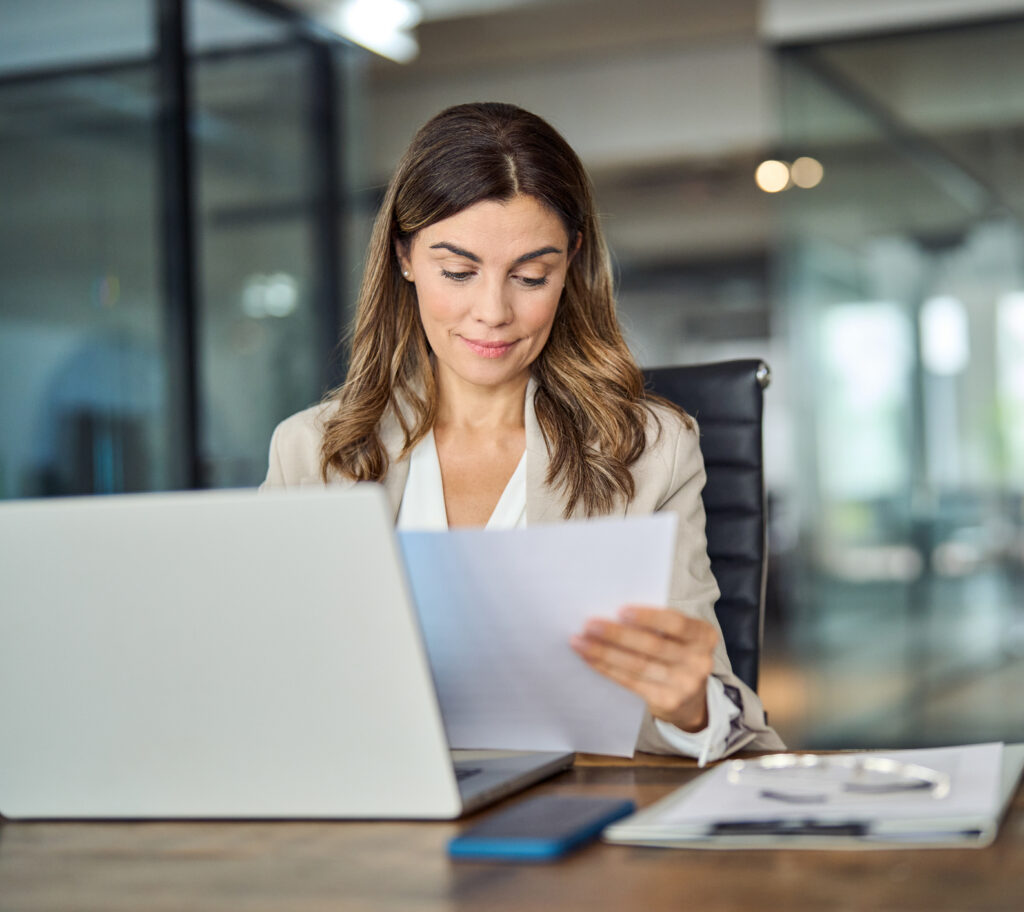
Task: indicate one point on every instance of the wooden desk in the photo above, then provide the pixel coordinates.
(403, 866)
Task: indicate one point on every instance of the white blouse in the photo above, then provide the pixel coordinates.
(423, 509)
(423, 506)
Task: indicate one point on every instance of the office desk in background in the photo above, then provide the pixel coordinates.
(297, 866)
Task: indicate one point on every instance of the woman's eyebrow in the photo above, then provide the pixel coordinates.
(459, 251)
(537, 253)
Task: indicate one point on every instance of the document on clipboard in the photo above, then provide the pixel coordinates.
(941, 798)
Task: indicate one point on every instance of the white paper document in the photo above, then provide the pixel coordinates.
(498, 609)
(722, 810)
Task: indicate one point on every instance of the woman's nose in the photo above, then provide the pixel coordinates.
(492, 304)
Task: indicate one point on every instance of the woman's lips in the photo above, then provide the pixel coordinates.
(487, 349)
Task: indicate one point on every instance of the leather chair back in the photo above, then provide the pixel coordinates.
(726, 398)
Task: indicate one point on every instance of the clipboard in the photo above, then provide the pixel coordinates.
(986, 776)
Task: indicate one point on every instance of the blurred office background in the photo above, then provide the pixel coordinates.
(168, 293)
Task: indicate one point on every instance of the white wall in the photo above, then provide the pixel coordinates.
(666, 104)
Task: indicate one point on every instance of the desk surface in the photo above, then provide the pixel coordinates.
(403, 866)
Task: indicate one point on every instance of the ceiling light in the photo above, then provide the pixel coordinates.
(381, 26)
(807, 172)
(772, 176)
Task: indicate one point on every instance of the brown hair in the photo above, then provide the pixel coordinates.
(590, 402)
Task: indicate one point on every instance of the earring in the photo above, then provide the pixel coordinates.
(405, 272)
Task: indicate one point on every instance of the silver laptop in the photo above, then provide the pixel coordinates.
(223, 654)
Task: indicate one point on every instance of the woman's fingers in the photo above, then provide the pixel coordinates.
(670, 623)
(643, 634)
(663, 694)
(678, 697)
(640, 655)
(663, 656)
(632, 645)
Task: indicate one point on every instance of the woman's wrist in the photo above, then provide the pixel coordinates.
(691, 716)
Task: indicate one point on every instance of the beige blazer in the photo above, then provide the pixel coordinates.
(668, 476)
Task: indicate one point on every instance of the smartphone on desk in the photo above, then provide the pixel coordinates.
(542, 828)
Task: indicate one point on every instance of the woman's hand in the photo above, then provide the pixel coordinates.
(658, 653)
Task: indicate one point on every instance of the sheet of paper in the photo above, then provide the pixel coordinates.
(498, 609)
(974, 772)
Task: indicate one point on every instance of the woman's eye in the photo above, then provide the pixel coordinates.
(533, 283)
(456, 276)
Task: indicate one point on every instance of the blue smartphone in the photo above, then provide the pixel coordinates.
(539, 829)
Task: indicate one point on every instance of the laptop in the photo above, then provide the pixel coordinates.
(223, 654)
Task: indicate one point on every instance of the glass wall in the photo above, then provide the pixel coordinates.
(902, 284)
(84, 388)
(94, 363)
(262, 349)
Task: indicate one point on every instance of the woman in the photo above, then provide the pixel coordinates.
(489, 385)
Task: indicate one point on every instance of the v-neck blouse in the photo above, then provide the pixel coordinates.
(423, 505)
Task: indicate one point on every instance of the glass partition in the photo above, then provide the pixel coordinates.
(84, 389)
(102, 333)
(902, 278)
(260, 355)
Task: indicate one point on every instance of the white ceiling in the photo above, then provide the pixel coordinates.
(48, 33)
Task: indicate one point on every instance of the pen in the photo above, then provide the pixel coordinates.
(789, 828)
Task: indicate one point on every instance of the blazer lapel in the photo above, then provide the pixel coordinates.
(393, 439)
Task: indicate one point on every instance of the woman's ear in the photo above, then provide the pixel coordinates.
(576, 246)
(402, 252)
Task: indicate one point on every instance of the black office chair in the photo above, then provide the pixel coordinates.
(726, 398)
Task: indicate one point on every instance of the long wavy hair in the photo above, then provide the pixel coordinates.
(590, 400)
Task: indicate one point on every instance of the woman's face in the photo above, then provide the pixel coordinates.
(488, 281)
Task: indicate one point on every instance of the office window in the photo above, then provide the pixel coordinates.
(260, 346)
(84, 390)
(901, 276)
(122, 289)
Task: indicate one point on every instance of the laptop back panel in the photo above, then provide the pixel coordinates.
(214, 654)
